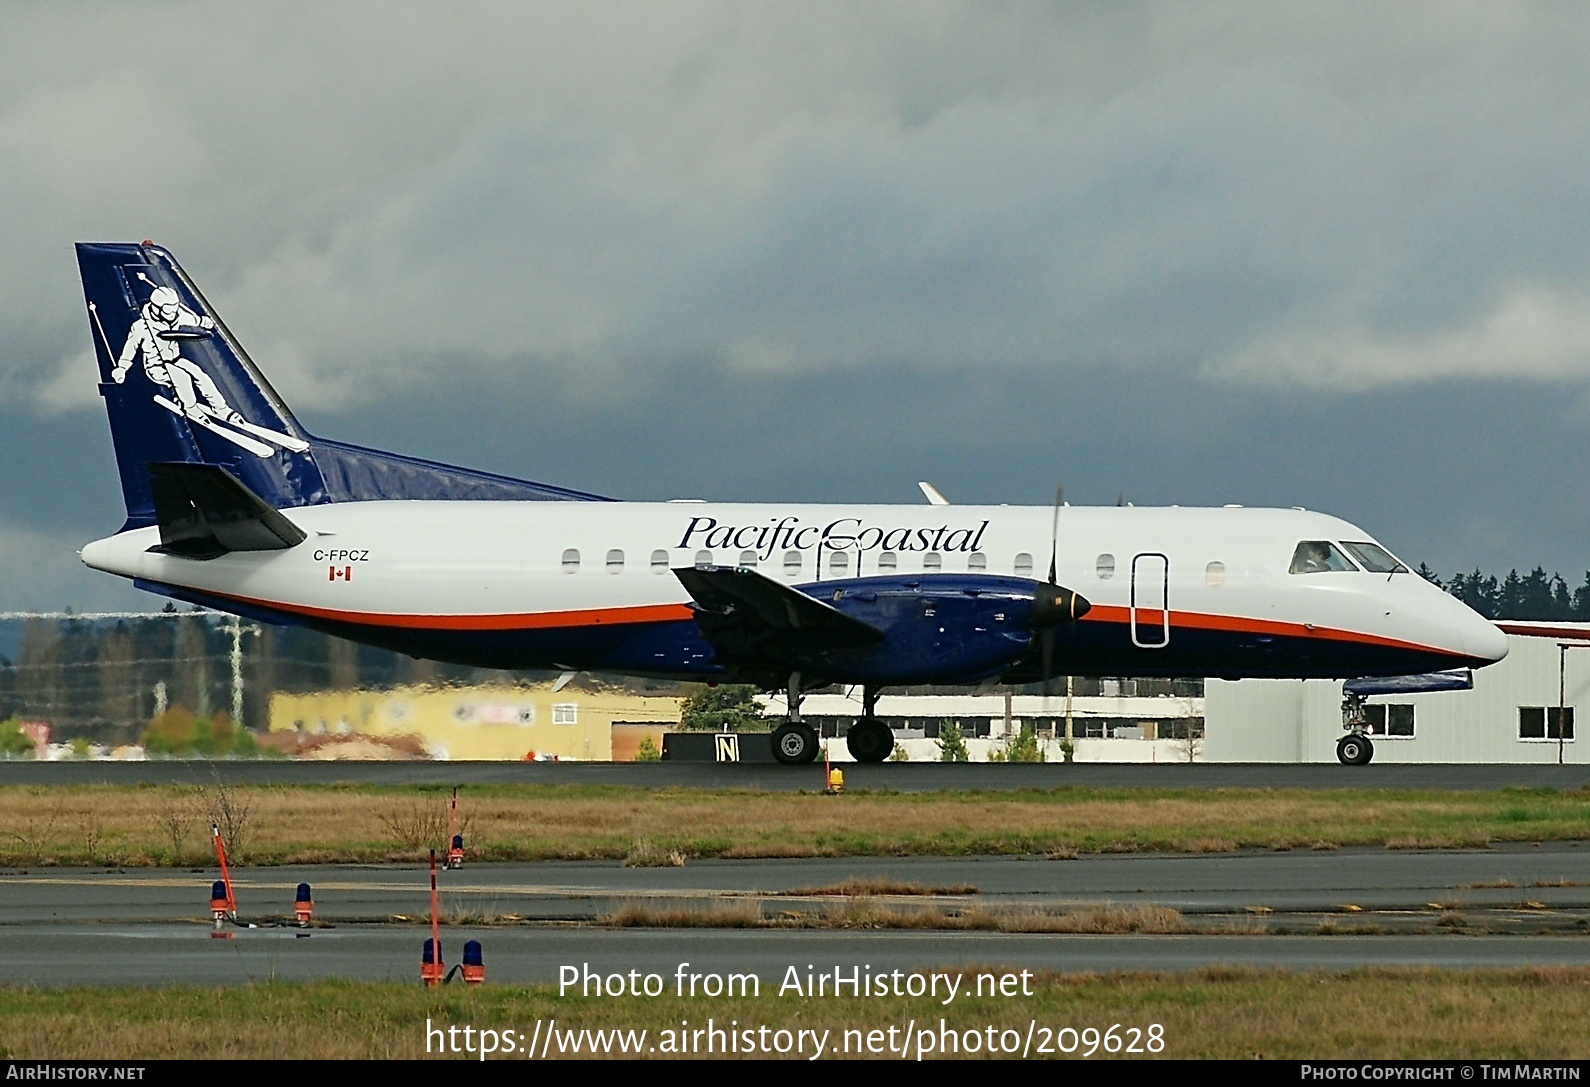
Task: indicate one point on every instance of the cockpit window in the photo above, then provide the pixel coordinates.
(1319, 556)
(1374, 558)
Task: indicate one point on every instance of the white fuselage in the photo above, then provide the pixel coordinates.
(1190, 590)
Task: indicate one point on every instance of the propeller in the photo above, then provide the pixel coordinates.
(1046, 632)
(1059, 604)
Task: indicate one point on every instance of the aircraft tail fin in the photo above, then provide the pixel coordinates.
(180, 389)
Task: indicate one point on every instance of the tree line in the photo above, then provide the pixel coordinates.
(1535, 595)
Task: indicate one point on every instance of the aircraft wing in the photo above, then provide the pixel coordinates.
(746, 614)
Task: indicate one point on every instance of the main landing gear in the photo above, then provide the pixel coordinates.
(1354, 749)
(795, 741)
(869, 739)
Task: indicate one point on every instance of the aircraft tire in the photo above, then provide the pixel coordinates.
(870, 740)
(794, 743)
(1354, 749)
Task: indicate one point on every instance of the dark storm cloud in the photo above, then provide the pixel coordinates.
(1202, 252)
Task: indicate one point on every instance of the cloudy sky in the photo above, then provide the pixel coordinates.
(1330, 256)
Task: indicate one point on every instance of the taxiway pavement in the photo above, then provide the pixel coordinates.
(79, 926)
(899, 777)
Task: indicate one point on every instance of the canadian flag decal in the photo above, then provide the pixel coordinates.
(345, 573)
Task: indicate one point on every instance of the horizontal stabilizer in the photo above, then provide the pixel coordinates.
(743, 613)
(1453, 679)
(203, 512)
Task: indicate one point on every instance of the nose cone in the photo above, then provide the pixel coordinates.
(1483, 640)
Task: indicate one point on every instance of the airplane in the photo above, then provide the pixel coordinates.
(232, 505)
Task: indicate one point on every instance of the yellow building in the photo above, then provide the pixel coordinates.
(497, 722)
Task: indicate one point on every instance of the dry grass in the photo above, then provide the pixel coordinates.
(146, 825)
(865, 912)
(645, 854)
(879, 886)
(1221, 1012)
(737, 913)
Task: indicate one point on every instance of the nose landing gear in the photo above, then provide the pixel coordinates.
(1354, 749)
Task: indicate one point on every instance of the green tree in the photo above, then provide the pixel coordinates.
(14, 743)
(900, 754)
(727, 707)
(647, 751)
(179, 732)
(1022, 747)
(952, 743)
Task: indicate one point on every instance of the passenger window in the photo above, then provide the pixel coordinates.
(792, 563)
(1374, 558)
(932, 561)
(1215, 575)
(659, 562)
(888, 560)
(1023, 565)
(571, 560)
(615, 561)
(1319, 556)
(977, 561)
(839, 562)
(703, 559)
(1104, 566)
(748, 560)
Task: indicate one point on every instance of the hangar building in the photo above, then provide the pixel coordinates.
(1510, 716)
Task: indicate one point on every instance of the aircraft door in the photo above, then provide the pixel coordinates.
(1150, 601)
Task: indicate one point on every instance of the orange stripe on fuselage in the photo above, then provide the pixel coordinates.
(1110, 613)
(663, 613)
(588, 617)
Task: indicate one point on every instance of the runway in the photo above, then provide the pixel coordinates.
(168, 954)
(897, 777)
(74, 927)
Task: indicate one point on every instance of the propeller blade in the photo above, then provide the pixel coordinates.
(1054, 531)
(1046, 647)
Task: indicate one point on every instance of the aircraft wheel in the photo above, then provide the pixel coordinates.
(1354, 749)
(794, 742)
(870, 740)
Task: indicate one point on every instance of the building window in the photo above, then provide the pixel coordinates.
(1393, 720)
(565, 713)
(888, 560)
(571, 560)
(932, 561)
(792, 563)
(703, 559)
(1104, 566)
(1023, 565)
(748, 560)
(615, 561)
(659, 562)
(977, 561)
(1215, 575)
(839, 563)
(1542, 723)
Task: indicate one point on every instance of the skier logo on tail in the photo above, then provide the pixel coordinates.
(163, 324)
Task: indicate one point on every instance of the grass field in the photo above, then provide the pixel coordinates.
(1236, 1013)
(165, 825)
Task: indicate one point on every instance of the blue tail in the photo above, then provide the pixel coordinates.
(179, 388)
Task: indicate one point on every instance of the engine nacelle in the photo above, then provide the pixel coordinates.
(937, 626)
